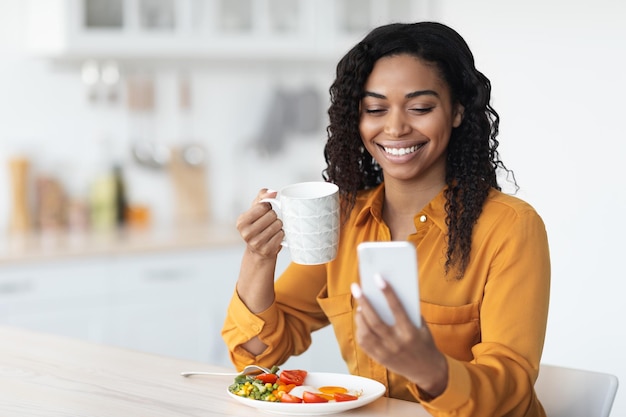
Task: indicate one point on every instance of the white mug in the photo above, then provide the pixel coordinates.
(310, 215)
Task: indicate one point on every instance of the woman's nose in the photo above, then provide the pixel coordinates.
(396, 124)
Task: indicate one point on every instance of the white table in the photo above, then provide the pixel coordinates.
(46, 375)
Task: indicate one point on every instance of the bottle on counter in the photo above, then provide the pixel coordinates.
(102, 203)
(121, 202)
(51, 203)
(20, 220)
(108, 201)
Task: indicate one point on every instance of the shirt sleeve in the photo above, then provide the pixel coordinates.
(286, 326)
(513, 316)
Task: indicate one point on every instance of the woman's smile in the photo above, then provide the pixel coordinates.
(399, 151)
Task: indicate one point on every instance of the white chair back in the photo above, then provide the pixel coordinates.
(566, 392)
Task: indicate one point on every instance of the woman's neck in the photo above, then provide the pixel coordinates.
(402, 202)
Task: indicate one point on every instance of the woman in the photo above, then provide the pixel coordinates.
(412, 147)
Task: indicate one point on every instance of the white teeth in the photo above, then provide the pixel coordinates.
(400, 151)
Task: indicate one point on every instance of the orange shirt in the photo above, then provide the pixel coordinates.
(490, 324)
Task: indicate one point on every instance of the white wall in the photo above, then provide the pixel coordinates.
(557, 69)
(558, 84)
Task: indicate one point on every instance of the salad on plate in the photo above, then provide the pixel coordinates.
(289, 386)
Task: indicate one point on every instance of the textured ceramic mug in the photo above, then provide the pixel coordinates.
(310, 215)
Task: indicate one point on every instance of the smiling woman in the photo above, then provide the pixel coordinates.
(412, 147)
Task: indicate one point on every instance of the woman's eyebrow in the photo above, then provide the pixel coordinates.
(422, 93)
(372, 94)
(409, 95)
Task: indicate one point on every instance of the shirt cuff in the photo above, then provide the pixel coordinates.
(250, 324)
(457, 391)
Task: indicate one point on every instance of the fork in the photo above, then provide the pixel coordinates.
(250, 369)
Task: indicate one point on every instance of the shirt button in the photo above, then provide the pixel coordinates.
(256, 328)
(423, 218)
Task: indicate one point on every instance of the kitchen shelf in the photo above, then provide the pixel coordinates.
(56, 246)
(214, 30)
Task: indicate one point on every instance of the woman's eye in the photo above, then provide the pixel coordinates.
(374, 111)
(421, 110)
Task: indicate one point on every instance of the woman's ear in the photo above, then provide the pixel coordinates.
(458, 115)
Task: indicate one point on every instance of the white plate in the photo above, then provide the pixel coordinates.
(372, 390)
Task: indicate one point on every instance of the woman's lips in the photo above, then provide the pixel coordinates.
(401, 151)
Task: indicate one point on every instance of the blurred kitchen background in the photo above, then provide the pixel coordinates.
(133, 133)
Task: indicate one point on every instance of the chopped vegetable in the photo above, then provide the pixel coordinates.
(292, 377)
(260, 387)
(286, 398)
(339, 397)
(267, 378)
(310, 397)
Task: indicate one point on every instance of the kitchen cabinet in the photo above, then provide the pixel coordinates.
(209, 29)
(67, 298)
(170, 302)
(175, 303)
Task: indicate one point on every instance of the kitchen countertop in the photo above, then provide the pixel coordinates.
(64, 245)
(42, 375)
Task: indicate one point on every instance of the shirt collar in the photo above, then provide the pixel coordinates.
(372, 206)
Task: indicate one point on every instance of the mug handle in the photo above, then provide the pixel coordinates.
(275, 203)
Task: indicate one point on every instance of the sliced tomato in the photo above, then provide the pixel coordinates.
(286, 398)
(310, 397)
(340, 396)
(328, 397)
(267, 378)
(295, 377)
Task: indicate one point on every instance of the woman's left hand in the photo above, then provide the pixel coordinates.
(402, 348)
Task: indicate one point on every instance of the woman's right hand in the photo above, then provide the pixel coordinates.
(261, 228)
(262, 231)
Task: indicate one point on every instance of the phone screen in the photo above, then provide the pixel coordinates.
(396, 262)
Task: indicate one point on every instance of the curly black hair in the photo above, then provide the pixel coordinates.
(472, 157)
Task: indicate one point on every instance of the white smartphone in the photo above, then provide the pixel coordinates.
(396, 262)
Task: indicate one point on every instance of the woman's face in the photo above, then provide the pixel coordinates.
(406, 119)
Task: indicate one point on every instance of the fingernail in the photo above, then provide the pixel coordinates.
(269, 190)
(356, 290)
(379, 281)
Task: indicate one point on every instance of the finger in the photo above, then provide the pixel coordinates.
(268, 227)
(368, 314)
(368, 333)
(251, 216)
(264, 193)
(273, 234)
(259, 225)
(363, 334)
